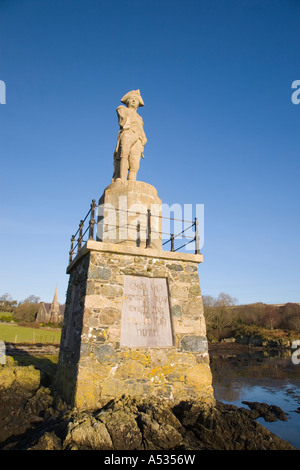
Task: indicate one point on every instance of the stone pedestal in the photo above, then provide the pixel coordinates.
(122, 216)
(133, 323)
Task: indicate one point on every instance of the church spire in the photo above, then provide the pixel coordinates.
(55, 301)
(54, 309)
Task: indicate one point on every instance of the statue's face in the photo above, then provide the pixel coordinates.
(133, 102)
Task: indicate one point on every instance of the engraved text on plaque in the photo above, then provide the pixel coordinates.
(146, 313)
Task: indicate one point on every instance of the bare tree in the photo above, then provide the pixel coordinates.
(32, 299)
(7, 304)
(218, 312)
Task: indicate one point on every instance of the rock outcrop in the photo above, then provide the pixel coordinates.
(23, 399)
(32, 419)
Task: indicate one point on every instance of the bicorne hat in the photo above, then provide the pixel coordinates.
(135, 93)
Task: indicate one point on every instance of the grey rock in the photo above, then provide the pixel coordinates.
(194, 343)
(175, 267)
(105, 354)
(176, 311)
(97, 272)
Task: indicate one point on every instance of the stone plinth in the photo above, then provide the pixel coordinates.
(122, 215)
(117, 291)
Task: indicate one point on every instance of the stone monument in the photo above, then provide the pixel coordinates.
(131, 138)
(134, 322)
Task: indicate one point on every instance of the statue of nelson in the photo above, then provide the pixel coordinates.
(131, 138)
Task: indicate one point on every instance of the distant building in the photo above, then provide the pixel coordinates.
(51, 313)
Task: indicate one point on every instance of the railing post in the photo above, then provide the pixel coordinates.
(71, 252)
(92, 219)
(148, 240)
(197, 244)
(80, 235)
(172, 242)
(138, 234)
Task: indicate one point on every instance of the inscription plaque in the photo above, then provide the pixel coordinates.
(146, 318)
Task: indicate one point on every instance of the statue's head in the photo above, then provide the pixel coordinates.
(133, 99)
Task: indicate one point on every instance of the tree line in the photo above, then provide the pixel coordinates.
(23, 311)
(224, 317)
(222, 314)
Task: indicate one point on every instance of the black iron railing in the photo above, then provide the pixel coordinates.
(86, 231)
(76, 244)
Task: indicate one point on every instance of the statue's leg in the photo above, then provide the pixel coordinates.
(134, 160)
(124, 149)
(116, 173)
(123, 168)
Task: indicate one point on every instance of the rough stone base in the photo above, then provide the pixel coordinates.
(93, 368)
(166, 374)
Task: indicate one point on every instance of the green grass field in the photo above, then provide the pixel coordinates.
(22, 334)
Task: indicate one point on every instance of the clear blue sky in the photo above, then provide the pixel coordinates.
(222, 131)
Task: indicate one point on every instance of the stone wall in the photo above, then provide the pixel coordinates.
(94, 368)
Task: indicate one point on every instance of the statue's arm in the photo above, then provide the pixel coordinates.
(123, 118)
(143, 137)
